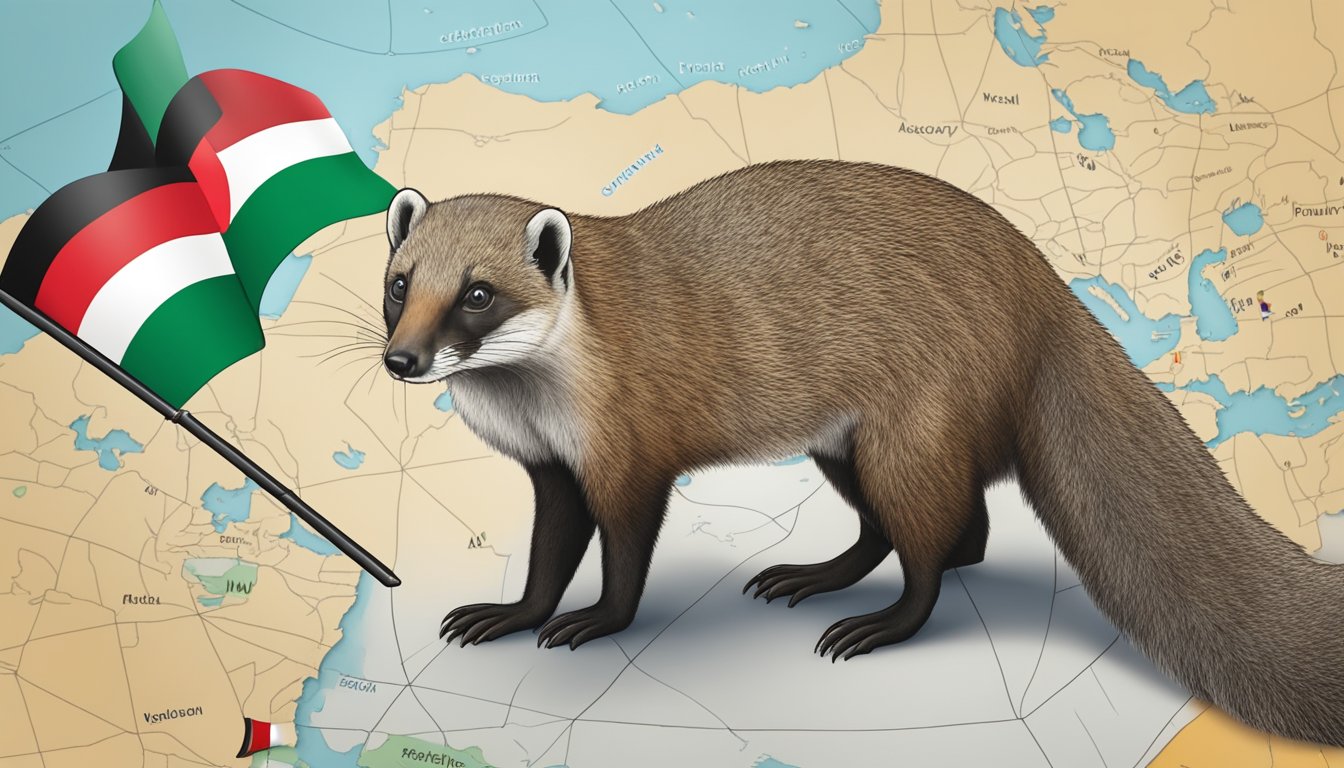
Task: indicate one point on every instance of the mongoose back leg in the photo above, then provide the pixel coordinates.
(561, 531)
(844, 570)
(922, 491)
(971, 547)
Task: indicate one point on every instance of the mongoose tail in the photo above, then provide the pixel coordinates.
(1214, 595)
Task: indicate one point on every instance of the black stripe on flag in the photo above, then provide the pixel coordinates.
(134, 149)
(71, 209)
(191, 114)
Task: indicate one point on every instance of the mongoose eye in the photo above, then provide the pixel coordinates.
(397, 290)
(478, 299)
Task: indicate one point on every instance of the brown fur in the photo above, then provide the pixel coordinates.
(746, 316)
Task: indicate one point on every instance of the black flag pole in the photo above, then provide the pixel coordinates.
(180, 416)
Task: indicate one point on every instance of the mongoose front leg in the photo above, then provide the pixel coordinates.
(560, 536)
(628, 523)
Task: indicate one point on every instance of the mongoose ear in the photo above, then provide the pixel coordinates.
(406, 210)
(547, 239)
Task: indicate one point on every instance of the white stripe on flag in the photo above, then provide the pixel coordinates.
(127, 300)
(250, 162)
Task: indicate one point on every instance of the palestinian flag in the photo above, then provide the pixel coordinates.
(133, 263)
(272, 163)
(161, 268)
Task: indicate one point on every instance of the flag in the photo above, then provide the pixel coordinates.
(161, 269)
(153, 271)
(272, 163)
(133, 264)
(259, 735)
(149, 70)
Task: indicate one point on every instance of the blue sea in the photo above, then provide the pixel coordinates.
(1244, 219)
(228, 505)
(350, 458)
(1143, 338)
(1261, 411)
(1022, 47)
(109, 447)
(1193, 99)
(358, 56)
(1095, 132)
(1214, 320)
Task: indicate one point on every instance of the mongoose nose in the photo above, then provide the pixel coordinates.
(400, 362)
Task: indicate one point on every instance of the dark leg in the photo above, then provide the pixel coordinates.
(923, 498)
(845, 569)
(971, 547)
(628, 520)
(560, 536)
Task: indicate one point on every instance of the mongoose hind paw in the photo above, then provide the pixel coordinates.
(858, 635)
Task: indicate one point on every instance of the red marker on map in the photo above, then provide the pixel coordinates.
(259, 735)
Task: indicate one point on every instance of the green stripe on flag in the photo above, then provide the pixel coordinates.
(150, 70)
(200, 331)
(293, 204)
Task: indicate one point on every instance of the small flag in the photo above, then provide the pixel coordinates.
(259, 735)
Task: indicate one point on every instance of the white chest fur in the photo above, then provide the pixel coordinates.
(525, 416)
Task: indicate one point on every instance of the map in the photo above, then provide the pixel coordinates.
(1179, 164)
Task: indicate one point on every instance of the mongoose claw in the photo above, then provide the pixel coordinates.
(858, 635)
(798, 582)
(578, 627)
(481, 622)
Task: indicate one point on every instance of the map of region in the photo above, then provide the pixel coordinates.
(1179, 165)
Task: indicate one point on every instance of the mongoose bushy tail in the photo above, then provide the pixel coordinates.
(1214, 595)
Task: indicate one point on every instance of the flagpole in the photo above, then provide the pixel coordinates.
(188, 421)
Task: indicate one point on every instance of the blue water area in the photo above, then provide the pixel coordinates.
(1021, 46)
(1214, 320)
(282, 285)
(1095, 133)
(299, 534)
(790, 461)
(767, 761)
(444, 402)
(346, 657)
(228, 505)
(1262, 411)
(682, 481)
(1245, 219)
(1061, 125)
(210, 601)
(1143, 338)
(109, 447)
(1042, 13)
(350, 458)
(14, 331)
(1193, 99)
(359, 60)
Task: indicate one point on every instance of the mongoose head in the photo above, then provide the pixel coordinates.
(473, 282)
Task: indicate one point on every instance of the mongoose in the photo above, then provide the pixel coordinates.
(904, 335)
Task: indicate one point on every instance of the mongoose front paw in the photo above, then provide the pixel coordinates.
(578, 627)
(487, 621)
